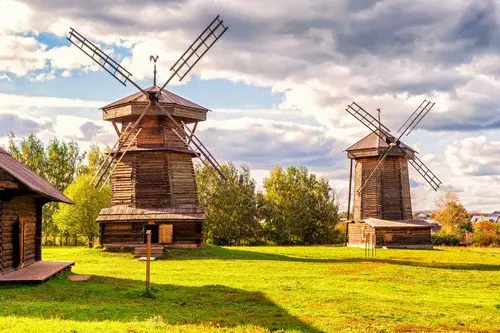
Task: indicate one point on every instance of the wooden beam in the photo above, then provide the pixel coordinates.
(116, 128)
(192, 133)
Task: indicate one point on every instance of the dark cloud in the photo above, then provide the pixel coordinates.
(90, 130)
(11, 123)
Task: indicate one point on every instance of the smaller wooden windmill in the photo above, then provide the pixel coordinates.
(382, 202)
(150, 166)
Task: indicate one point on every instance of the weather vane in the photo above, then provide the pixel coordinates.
(154, 59)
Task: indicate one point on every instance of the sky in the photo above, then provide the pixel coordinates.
(278, 82)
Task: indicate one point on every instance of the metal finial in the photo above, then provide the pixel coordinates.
(154, 59)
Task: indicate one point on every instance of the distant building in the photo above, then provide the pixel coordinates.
(485, 217)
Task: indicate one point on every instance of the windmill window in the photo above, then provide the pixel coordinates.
(388, 237)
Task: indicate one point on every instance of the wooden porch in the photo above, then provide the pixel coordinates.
(37, 272)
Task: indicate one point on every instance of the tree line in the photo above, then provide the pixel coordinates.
(294, 207)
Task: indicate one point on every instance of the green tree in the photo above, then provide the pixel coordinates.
(230, 205)
(95, 157)
(452, 215)
(299, 208)
(80, 218)
(58, 163)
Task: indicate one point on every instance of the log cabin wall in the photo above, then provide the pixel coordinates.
(387, 193)
(152, 180)
(133, 232)
(403, 236)
(122, 182)
(184, 188)
(21, 208)
(356, 231)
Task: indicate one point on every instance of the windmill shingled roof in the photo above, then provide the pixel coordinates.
(374, 141)
(166, 97)
(29, 178)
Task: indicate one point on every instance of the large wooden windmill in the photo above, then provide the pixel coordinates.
(382, 202)
(150, 167)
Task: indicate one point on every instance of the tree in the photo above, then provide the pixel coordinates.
(58, 163)
(80, 218)
(230, 205)
(299, 208)
(95, 157)
(452, 214)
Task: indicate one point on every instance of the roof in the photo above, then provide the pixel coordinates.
(125, 213)
(410, 223)
(486, 217)
(166, 97)
(374, 141)
(29, 178)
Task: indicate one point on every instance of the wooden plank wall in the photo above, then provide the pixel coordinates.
(152, 180)
(404, 236)
(122, 182)
(356, 232)
(387, 193)
(19, 208)
(181, 170)
(133, 232)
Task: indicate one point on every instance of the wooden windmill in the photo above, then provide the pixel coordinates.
(150, 166)
(381, 179)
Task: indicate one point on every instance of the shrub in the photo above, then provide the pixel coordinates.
(447, 239)
(486, 233)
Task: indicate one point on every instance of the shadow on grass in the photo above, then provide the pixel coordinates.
(107, 298)
(222, 253)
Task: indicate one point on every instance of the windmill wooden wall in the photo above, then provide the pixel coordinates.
(400, 237)
(387, 193)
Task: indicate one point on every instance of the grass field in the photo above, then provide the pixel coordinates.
(292, 289)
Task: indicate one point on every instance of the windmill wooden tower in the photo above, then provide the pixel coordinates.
(382, 202)
(150, 167)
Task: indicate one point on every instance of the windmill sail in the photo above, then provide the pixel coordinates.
(196, 51)
(101, 58)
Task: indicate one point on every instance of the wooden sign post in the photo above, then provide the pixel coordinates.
(148, 258)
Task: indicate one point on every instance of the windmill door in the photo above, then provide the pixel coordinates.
(154, 233)
(18, 236)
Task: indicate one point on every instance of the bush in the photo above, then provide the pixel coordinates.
(486, 233)
(447, 239)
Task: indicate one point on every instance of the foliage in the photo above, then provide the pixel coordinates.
(299, 208)
(452, 215)
(446, 239)
(264, 289)
(57, 162)
(486, 233)
(80, 218)
(230, 205)
(95, 157)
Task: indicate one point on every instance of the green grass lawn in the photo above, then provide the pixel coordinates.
(260, 289)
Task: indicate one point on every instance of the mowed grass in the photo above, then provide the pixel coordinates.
(260, 289)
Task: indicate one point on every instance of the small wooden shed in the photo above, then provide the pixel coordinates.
(22, 196)
(405, 234)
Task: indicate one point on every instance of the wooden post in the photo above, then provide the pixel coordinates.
(349, 194)
(148, 258)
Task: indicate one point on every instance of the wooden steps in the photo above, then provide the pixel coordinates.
(156, 250)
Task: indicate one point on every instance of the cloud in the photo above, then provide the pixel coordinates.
(475, 156)
(20, 126)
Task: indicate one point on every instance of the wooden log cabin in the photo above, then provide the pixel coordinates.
(153, 185)
(22, 196)
(384, 205)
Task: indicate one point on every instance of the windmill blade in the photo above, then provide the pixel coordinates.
(368, 120)
(196, 51)
(102, 59)
(425, 172)
(200, 149)
(416, 117)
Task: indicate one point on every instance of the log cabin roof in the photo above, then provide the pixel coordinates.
(166, 97)
(126, 214)
(410, 223)
(30, 179)
(373, 144)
